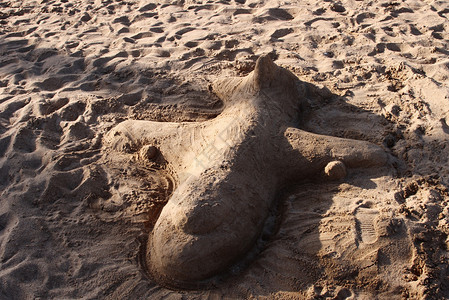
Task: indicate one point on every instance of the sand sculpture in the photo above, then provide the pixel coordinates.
(229, 169)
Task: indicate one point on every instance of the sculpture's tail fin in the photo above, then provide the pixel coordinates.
(266, 76)
(265, 73)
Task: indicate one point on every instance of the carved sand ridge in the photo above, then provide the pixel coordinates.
(229, 169)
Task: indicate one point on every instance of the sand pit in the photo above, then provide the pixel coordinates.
(82, 209)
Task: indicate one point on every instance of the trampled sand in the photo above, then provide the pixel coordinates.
(76, 215)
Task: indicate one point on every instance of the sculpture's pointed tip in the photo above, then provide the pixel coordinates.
(264, 62)
(265, 71)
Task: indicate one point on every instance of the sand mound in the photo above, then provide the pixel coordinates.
(74, 218)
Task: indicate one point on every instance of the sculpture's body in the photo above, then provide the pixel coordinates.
(235, 164)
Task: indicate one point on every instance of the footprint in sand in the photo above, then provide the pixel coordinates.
(365, 217)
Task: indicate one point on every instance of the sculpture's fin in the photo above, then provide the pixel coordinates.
(308, 153)
(132, 135)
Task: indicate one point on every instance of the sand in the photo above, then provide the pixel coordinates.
(75, 217)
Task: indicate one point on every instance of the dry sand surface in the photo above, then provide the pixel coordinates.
(76, 215)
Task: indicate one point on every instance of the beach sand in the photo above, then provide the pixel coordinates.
(75, 217)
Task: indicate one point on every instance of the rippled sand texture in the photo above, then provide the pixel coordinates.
(74, 219)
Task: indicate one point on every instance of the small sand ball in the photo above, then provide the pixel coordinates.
(148, 152)
(335, 170)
